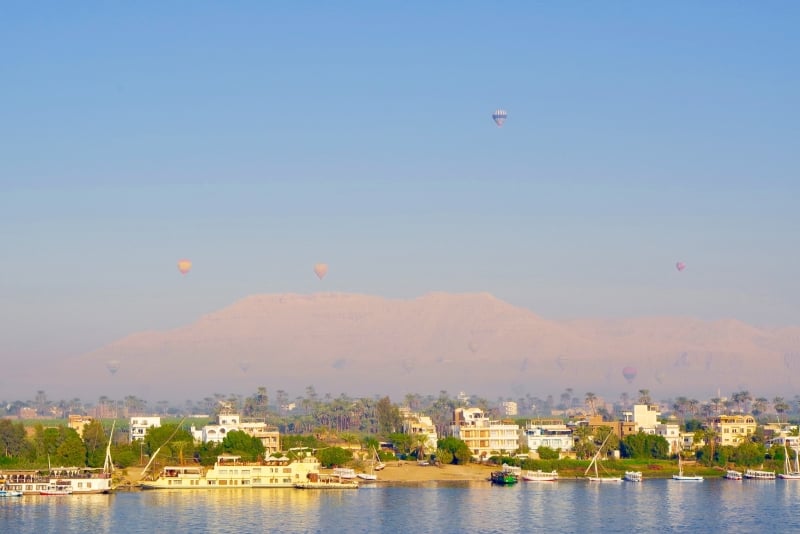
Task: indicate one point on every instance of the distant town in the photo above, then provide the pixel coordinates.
(741, 428)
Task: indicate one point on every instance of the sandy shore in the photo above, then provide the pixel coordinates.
(410, 472)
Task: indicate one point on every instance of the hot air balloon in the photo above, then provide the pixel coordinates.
(244, 365)
(321, 269)
(629, 372)
(499, 117)
(112, 366)
(680, 266)
(184, 266)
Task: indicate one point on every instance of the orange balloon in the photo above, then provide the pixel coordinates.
(321, 269)
(184, 266)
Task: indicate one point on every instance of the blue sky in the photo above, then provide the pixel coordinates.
(259, 138)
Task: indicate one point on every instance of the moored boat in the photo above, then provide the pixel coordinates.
(732, 474)
(680, 477)
(346, 473)
(593, 464)
(320, 481)
(82, 480)
(757, 474)
(10, 493)
(229, 471)
(540, 476)
(503, 478)
(790, 472)
(633, 476)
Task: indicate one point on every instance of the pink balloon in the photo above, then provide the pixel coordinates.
(680, 266)
(629, 372)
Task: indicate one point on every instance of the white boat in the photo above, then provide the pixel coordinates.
(377, 459)
(373, 464)
(320, 481)
(27, 483)
(229, 471)
(790, 472)
(757, 474)
(593, 464)
(633, 476)
(685, 478)
(733, 474)
(540, 476)
(345, 473)
(10, 493)
(82, 480)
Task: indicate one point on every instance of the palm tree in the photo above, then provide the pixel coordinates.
(760, 406)
(591, 399)
(780, 406)
(644, 396)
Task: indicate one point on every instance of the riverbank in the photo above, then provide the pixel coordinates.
(410, 472)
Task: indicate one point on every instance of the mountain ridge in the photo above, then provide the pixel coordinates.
(365, 345)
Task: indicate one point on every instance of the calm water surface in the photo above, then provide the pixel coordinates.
(565, 506)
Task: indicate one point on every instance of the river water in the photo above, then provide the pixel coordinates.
(564, 506)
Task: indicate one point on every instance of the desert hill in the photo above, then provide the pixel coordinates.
(367, 345)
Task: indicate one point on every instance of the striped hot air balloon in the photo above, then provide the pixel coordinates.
(499, 117)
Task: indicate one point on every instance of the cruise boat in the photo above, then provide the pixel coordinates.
(540, 476)
(733, 474)
(755, 474)
(229, 471)
(26, 482)
(82, 480)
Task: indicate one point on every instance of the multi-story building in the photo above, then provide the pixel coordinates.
(484, 437)
(509, 408)
(77, 422)
(228, 422)
(552, 433)
(619, 428)
(140, 425)
(732, 429)
(645, 418)
(672, 433)
(419, 425)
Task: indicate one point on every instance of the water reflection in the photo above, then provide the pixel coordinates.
(563, 506)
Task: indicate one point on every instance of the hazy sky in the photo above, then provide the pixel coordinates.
(258, 138)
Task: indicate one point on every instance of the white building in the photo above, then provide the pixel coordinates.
(672, 433)
(416, 424)
(140, 425)
(510, 408)
(484, 437)
(645, 416)
(553, 433)
(228, 422)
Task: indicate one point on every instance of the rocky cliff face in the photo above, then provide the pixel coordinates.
(367, 345)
